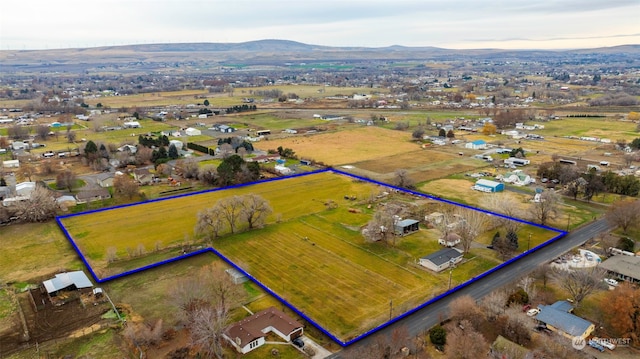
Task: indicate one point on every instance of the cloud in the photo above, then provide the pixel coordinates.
(64, 23)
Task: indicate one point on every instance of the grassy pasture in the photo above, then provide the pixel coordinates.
(172, 221)
(274, 121)
(314, 256)
(590, 127)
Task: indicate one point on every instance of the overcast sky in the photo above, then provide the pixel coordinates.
(454, 24)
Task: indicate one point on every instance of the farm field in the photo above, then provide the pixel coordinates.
(346, 146)
(311, 253)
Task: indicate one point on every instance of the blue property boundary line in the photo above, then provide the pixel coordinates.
(272, 292)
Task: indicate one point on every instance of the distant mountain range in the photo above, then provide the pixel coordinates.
(273, 52)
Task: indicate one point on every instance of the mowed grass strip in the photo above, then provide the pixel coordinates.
(171, 222)
(337, 284)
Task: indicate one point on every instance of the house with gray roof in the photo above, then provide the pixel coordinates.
(442, 259)
(558, 318)
(623, 267)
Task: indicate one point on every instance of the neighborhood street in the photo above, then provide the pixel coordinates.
(431, 315)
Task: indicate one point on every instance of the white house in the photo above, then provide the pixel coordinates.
(250, 333)
(476, 145)
(25, 188)
(192, 131)
(442, 259)
(131, 124)
(11, 164)
(176, 143)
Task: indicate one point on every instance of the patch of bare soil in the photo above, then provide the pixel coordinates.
(42, 321)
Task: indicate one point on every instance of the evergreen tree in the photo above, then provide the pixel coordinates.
(173, 152)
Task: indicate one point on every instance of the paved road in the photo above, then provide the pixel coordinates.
(433, 314)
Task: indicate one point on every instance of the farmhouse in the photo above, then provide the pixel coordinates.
(476, 145)
(92, 195)
(131, 124)
(226, 129)
(105, 179)
(406, 227)
(250, 333)
(484, 185)
(558, 318)
(623, 267)
(441, 259)
(450, 239)
(66, 281)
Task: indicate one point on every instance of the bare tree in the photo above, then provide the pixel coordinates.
(210, 222)
(464, 342)
(208, 174)
(125, 185)
(42, 131)
(66, 179)
(40, 207)
(624, 214)
(230, 208)
(547, 208)
(189, 167)
(579, 283)
(254, 209)
(71, 136)
(380, 227)
(403, 180)
(507, 206)
(471, 224)
(143, 155)
(26, 171)
(494, 304)
(465, 308)
(205, 303)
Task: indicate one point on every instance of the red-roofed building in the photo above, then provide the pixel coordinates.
(250, 332)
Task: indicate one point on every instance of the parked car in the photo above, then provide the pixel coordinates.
(298, 342)
(596, 345)
(611, 282)
(533, 312)
(604, 342)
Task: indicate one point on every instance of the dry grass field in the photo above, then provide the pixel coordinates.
(347, 146)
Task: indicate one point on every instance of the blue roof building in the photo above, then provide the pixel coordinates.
(558, 318)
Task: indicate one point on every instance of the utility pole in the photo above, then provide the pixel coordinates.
(529, 242)
(390, 309)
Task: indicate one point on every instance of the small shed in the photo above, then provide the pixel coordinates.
(236, 276)
(488, 186)
(406, 227)
(442, 259)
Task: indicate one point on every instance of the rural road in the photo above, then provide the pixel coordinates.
(431, 315)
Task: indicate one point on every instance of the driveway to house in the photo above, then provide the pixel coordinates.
(420, 321)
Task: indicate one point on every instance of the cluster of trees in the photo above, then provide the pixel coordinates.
(624, 214)
(149, 141)
(618, 99)
(241, 108)
(236, 143)
(285, 152)
(229, 213)
(204, 303)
